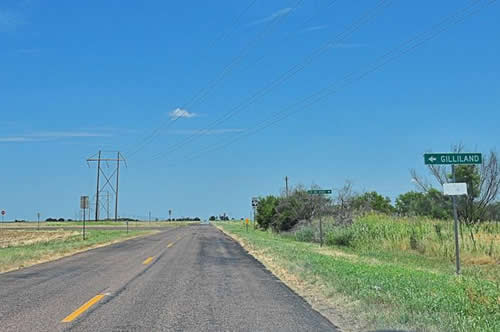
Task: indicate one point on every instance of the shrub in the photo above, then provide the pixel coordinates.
(342, 236)
(305, 234)
(266, 211)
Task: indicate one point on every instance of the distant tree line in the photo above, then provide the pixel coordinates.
(185, 219)
(223, 217)
(56, 219)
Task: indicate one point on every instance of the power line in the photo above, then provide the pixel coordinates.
(406, 47)
(288, 36)
(165, 124)
(203, 93)
(272, 24)
(353, 27)
(227, 32)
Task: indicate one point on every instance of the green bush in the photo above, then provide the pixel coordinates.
(266, 211)
(305, 234)
(342, 236)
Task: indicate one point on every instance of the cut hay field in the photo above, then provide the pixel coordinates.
(22, 248)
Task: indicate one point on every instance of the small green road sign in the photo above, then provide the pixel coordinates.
(453, 158)
(319, 192)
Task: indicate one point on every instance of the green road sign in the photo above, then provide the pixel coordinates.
(453, 158)
(319, 192)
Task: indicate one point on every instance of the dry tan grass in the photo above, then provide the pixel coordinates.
(52, 256)
(14, 238)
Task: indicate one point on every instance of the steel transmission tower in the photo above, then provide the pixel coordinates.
(110, 174)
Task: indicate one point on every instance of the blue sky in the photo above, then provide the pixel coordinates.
(77, 77)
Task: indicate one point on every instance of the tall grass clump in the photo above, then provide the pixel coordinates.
(434, 238)
(305, 234)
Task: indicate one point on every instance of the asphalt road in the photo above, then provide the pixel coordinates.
(184, 279)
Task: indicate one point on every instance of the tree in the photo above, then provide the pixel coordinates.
(430, 204)
(212, 218)
(299, 206)
(266, 211)
(373, 201)
(343, 205)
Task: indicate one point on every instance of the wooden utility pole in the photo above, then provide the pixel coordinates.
(286, 185)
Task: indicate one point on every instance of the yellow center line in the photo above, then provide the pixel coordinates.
(148, 260)
(83, 308)
(170, 244)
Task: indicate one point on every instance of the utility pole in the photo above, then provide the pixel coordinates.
(149, 216)
(107, 204)
(286, 185)
(97, 191)
(116, 194)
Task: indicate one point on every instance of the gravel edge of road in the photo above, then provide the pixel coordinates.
(79, 251)
(315, 299)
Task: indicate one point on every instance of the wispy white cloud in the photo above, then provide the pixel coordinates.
(206, 131)
(347, 45)
(17, 139)
(29, 51)
(181, 113)
(49, 136)
(7, 123)
(315, 28)
(273, 16)
(9, 20)
(61, 134)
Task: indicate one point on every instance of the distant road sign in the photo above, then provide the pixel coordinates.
(255, 201)
(455, 189)
(3, 212)
(84, 202)
(453, 158)
(319, 192)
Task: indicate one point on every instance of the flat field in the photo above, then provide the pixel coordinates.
(22, 248)
(107, 224)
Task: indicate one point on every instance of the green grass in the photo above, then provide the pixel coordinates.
(18, 256)
(392, 288)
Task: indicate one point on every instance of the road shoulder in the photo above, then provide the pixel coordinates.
(336, 311)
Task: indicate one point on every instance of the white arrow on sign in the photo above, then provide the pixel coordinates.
(432, 159)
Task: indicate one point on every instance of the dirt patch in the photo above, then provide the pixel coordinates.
(339, 309)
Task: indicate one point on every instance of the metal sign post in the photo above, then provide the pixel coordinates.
(38, 217)
(255, 203)
(3, 214)
(455, 218)
(84, 205)
(454, 189)
(320, 192)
